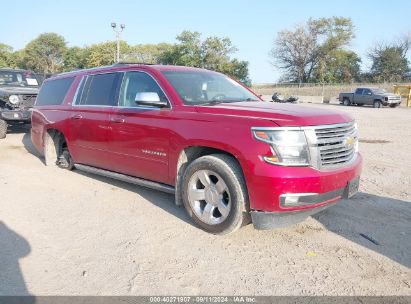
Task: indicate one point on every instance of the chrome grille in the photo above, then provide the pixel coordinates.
(336, 144)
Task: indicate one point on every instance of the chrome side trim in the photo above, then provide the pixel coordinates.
(116, 104)
(73, 101)
(126, 178)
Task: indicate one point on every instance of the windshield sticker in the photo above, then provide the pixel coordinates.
(32, 81)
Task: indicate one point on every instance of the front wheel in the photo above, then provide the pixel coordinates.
(377, 104)
(215, 195)
(394, 105)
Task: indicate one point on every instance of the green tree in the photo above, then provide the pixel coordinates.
(75, 58)
(45, 53)
(338, 66)
(147, 53)
(186, 52)
(105, 53)
(389, 61)
(6, 55)
(300, 51)
(212, 53)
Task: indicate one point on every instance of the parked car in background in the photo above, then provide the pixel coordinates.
(18, 92)
(228, 156)
(370, 96)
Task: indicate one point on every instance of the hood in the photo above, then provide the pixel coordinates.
(18, 90)
(389, 95)
(281, 114)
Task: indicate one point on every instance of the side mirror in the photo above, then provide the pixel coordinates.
(150, 99)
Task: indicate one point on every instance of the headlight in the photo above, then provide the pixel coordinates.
(14, 99)
(289, 147)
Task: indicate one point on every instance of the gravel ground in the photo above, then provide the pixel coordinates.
(70, 233)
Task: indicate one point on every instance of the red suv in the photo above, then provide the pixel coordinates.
(229, 157)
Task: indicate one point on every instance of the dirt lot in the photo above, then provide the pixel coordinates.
(70, 233)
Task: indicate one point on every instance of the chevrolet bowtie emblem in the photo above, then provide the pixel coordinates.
(349, 141)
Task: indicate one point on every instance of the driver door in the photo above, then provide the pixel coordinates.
(367, 97)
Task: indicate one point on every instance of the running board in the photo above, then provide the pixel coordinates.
(126, 178)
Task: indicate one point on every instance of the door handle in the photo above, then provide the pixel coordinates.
(117, 120)
(77, 116)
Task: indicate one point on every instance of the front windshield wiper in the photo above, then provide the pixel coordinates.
(212, 102)
(216, 101)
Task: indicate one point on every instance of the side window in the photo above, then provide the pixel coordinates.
(53, 92)
(138, 82)
(366, 92)
(358, 91)
(99, 90)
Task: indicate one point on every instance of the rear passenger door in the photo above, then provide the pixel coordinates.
(89, 119)
(140, 135)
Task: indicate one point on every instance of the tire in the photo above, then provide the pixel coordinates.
(65, 161)
(3, 128)
(346, 102)
(394, 105)
(56, 152)
(377, 104)
(51, 147)
(218, 203)
(360, 104)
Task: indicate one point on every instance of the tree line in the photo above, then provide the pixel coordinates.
(316, 51)
(49, 53)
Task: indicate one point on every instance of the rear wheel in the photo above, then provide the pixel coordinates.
(346, 102)
(215, 195)
(3, 128)
(56, 151)
(377, 104)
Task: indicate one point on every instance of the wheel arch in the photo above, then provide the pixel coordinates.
(54, 141)
(189, 154)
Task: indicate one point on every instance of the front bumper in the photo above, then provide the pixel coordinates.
(268, 183)
(267, 220)
(391, 101)
(16, 115)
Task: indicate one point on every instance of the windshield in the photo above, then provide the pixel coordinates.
(202, 87)
(18, 78)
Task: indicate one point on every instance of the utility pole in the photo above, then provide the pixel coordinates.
(118, 34)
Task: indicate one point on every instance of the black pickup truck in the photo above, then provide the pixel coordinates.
(18, 92)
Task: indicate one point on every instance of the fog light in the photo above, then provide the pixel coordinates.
(297, 199)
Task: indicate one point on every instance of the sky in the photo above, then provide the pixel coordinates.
(251, 25)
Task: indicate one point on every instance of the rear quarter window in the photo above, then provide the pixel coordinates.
(53, 92)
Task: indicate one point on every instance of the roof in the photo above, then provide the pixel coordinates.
(127, 66)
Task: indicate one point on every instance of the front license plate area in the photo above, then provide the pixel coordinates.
(352, 187)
